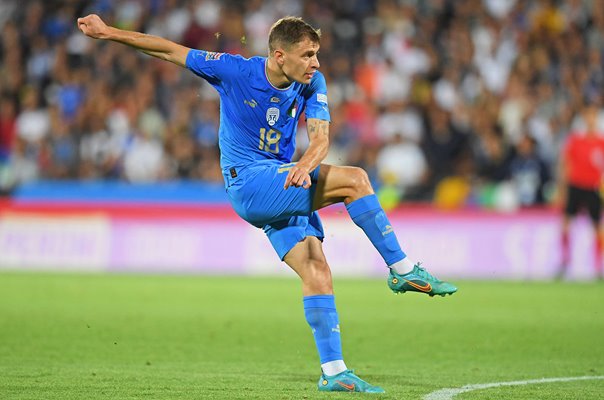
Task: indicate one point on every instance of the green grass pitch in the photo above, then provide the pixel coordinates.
(66, 336)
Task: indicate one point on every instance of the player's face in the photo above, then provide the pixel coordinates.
(300, 62)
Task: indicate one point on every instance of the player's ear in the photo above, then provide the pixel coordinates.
(279, 56)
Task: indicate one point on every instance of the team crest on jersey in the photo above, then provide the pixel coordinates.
(272, 115)
(212, 55)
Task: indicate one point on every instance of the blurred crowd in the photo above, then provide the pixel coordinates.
(459, 102)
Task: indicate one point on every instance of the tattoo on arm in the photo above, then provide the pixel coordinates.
(318, 135)
(317, 128)
(324, 128)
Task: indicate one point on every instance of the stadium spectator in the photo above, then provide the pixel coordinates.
(529, 173)
(8, 113)
(33, 122)
(443, 144)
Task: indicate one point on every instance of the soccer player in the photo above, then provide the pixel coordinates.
(261, 100)
(580, 177)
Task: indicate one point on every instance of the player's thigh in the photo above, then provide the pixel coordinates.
(285, 234)
(340, 184)
(308, 260)
(594, 207)
(573, 201)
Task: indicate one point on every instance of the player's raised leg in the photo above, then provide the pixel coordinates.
(351, 186)
(308, 260)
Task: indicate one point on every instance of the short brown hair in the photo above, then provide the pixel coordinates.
(290, 30)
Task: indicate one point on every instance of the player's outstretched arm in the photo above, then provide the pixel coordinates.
(318, 135)
(94, 27)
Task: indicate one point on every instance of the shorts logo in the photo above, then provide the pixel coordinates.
(322, 98)
(272, 115)
(212, 55)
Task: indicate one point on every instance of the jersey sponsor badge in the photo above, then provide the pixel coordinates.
(272, 115)
(213, 56)
(275, 99)
(322, 98)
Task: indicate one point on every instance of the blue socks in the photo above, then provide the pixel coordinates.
(321, 315)
(368, 214)
(320, 310)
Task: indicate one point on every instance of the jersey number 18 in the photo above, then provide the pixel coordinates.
(269, 140)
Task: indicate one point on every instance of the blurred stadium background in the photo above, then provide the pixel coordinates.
(457, 110)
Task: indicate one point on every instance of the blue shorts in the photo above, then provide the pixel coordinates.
(286, 216)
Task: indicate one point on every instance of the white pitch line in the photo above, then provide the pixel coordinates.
(449, 393)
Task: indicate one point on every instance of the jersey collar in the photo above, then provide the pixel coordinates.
(269, 82)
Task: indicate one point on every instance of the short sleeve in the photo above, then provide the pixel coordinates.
(316, 98)
(212, 66)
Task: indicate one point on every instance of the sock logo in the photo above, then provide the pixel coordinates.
(336, 329)
(388, 230)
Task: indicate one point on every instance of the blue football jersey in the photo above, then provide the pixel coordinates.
(257, 120)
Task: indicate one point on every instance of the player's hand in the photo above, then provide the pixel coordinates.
(297, 177)
(92, 25)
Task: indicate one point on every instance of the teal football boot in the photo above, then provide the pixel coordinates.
(346, 381)
(419, 280)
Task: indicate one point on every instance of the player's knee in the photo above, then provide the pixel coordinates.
(360, 181)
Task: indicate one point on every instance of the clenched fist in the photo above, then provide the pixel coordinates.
(93, 26)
